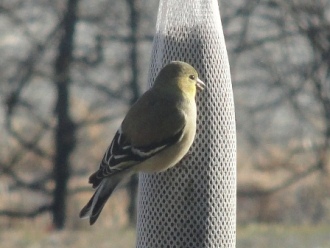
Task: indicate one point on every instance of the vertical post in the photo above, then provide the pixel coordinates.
(194, 204)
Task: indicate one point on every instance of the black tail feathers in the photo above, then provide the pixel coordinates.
(95, 205)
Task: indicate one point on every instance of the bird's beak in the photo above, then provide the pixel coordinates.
(200, 84)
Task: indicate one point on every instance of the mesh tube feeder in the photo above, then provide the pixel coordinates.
(193, 205)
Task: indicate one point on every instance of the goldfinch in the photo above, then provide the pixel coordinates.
(155, 135)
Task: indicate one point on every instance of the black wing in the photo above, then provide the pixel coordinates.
(121, 155)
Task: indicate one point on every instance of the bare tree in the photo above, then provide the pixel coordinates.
(281, 73)
(65, 137)
(134, 10)
(48, 131)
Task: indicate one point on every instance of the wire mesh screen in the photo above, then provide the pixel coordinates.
(193, 205)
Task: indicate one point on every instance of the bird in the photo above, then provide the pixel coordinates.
(155, 135)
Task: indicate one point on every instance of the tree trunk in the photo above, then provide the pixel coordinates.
(133, 6)
(65, 130)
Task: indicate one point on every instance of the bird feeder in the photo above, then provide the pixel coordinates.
(193, 205)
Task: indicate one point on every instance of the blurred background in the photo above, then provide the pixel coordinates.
(69, 70)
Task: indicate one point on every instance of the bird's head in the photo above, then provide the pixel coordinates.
(180, 76)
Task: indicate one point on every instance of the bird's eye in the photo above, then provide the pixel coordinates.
(192, 77)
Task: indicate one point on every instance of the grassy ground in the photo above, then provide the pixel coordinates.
(256, 236)
(275, 236)
(93, 238)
